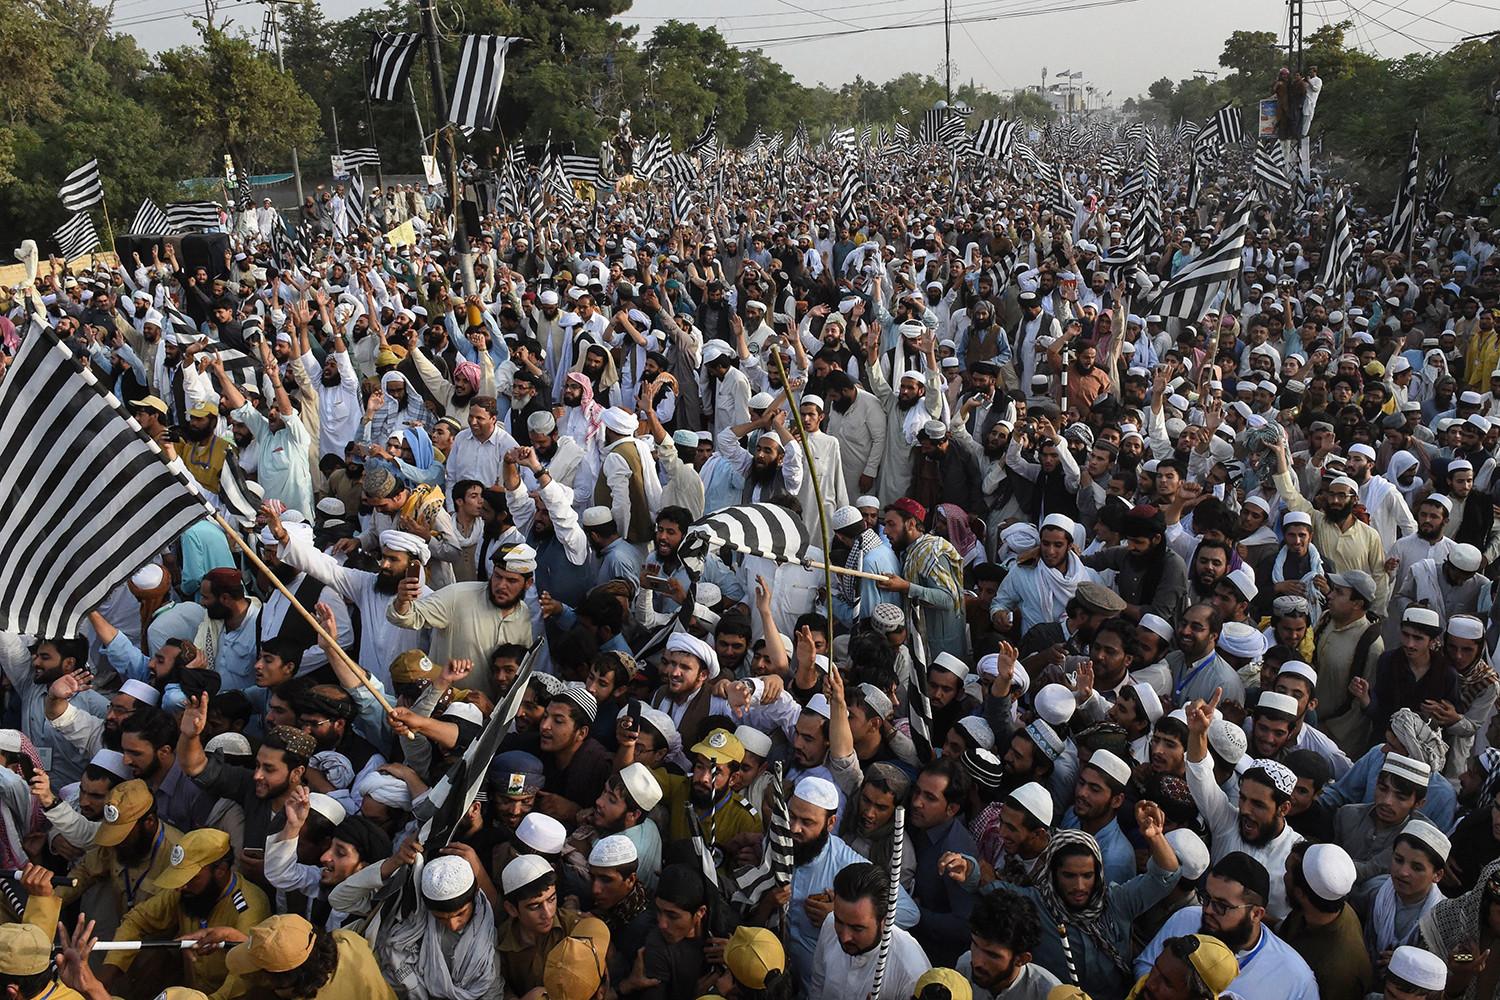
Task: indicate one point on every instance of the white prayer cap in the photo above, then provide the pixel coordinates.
(867, 501)
(1227, 740)
(946, 661)
(1061, 521)
(1424, 832)
(1055, 704)
(542, 834)
(1363, 450)
(685, 438)
(154, 318)
(1423, 618)
(818, 705)
(548, 297)
(1329, 871)
(1275, 702)
(1105, 762)
(1034, 800)
(978, 730)
(761, 401)
(1441, 500)
(1407, 768)
(1259, 503)
(818, 792)
(148, 577)
(405, 541)
(1239, 639)
(1192, 855)
(754, 741)
(620, 421)
(446, 877)
(541, 422)
(327, 806)
(332, 506)
(1465, 558)
(520, 559)
(877, 701)
(682, 642)
(1420, 967)
(810, 399)
(1243, 580)
(641, 785)
(1158, 625)
(10, 740)
(234, 744)
(1465, 627)
(141, 691)
(846, 517)
(1292, 517)
(594, 517)
(466, 711)
(1300, 669)
(614, 851)
(113, 761)
(1150, 701)
(522, 871)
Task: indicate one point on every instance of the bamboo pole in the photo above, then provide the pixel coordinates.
(812, 470)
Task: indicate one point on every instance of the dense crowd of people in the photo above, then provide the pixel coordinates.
(1169, 638)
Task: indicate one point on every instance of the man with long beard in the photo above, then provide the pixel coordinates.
(204, 450)
(1341, 537)
(917, 399)
(1235, 894)
(380, 641)
(1148, 574)
(200, 889)
(468, 620)
(278, 620)
(30, 675)
(819, 855)
(775, 469)
(857, 418)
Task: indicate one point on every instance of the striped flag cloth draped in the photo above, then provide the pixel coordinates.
(389, 62)
(455, 792)
(83, 188)
(354, 203)
(682, 205)
(653, 152)
(150, 220)
(365, 156)
(704, 848)
(679, 168)
(776, 863)
(995, 138)
(66, 436)
(476, 86)
(191, 215)
(1194, 181)
(1229, 125)
(1188, 293)
(76, 237)
(1270, 169)
(758, 529)
(1403, 218)
(902, 134)
(584, 169)
(1338, 256)
(710, 129)
(849, 191)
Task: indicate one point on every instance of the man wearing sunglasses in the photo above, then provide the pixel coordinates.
(1232, 909)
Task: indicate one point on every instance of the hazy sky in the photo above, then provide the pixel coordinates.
(1121, 45)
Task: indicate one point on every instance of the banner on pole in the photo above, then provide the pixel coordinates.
(337, 164)
(430, 168)
(1267, 129)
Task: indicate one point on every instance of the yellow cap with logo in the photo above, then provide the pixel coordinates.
(721, 746)
(128, 802)
(196, 851)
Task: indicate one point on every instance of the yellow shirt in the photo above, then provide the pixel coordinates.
(355, 977)
(161, 917)
(43, 911)
(133, 886)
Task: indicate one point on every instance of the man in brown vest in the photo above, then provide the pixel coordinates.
(627, 483)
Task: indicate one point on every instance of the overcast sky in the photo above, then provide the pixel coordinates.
(1126, 44)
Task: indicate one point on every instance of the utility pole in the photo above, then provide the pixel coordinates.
(280, 65)
(948, 50)
(440, 123)
(1294, 35)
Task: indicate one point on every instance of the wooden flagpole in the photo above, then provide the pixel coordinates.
(812, 470)
(333, 643)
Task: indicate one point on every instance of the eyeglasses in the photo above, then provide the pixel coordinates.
(1219, 906)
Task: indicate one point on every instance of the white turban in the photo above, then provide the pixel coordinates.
(682, 642)
(383, 788)
(405, 541)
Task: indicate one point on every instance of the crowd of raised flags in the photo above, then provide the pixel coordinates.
(941, 559)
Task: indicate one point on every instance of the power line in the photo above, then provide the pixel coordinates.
(796, 39)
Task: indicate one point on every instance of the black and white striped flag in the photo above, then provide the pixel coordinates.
(83, 188)
(389, 62)
(930, 131)
(918, 704)
(150, 220)
(1186, 130)
(648, 162)
(776, 863)
(1404, 215)
(892, 899)
(1439, 179)
(365, 156)
(902, 134)
(354, 203)
(708, 135)
(240, 498)
(849, 192)
(476, 86)
(189, 216)
(995, 138)
(558, 184)
(582, 169)
(1338, 256)
(1194, 181)
(67, 436)
(679, 168)
(758, 529)
(1189, 291)
(682, 205)
(76, 237)
(1270, 170)
(1229, 125)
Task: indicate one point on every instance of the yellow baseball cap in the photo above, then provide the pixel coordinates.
(576, 964)
(957, 986)
(196, 851)
(277, 944)
(150, 403)
(752, 954)
(413, 666)
(1216, 964)
(721, 746)
(128, 802)
(25, 950)
(207, 408)
(1066, 991)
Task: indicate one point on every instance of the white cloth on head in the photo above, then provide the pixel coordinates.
(405, 541)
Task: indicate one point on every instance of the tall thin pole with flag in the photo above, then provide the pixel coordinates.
(893, 896)
(812, 470)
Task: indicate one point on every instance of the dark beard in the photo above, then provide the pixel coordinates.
(1235, 940)
(1202, 590)
(331, 380)
(386, 584)
(841, 404)
(490, 595)
(907, 404)
(197, 435)
(200, 904)
(995, 451)
(761, 475)
(1338, 513)
(804, 853)
(573, 403)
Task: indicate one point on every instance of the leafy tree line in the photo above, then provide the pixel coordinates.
(1367, 108)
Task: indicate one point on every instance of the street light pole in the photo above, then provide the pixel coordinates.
(280, 65)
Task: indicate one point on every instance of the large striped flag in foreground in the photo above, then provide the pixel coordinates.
(767, 530)
(86, 498)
